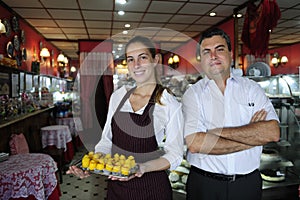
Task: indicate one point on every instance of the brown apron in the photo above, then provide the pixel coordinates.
(133, 134)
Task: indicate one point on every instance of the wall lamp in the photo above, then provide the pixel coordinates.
(73, 69)
(60, 58)
(2, 27)
(44, 54)
(173, 61)
(277, 60)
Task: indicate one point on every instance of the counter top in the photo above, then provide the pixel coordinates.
(290, 179)
(22, 117)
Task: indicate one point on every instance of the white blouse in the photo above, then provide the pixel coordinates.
(168, 125)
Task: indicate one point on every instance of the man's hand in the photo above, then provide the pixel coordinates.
(259, 116)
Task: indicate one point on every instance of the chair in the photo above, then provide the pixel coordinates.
(58, 157)
(18, 144)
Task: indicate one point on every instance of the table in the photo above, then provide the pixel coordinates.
(29, 176)
(74, 124)
(58, 136)
(70, 122)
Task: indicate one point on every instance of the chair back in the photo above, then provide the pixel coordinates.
(18, 144)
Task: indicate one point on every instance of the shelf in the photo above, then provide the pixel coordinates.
(7, 123)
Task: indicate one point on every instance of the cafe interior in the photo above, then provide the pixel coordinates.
(61, 60)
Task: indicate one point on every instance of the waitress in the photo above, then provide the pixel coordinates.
(139, 119)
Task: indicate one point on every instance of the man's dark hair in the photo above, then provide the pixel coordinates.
(215, 31)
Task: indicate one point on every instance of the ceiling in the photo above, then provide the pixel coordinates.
(171, 22)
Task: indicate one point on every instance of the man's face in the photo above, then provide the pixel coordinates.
(215, 57)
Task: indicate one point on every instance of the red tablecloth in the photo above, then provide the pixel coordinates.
(70, 122)
(57, 135)
(29, 176)
(74, 124)
(53, 196)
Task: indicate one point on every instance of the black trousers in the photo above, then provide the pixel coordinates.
(201, 187)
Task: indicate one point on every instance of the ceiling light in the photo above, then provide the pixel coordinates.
(121, 12)
(212, 14)
(239, 15)
(127, 25)
(121, 2)
(125, 32)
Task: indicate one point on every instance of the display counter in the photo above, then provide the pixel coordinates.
(287, 189)
(28, 124)
(283, 91)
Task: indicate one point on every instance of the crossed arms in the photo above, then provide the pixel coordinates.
(233, 139)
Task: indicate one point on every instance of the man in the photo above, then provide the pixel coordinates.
(227, 120)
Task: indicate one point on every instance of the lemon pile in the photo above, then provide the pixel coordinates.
(117, 165)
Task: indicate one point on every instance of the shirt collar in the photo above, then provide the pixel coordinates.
(231, 78)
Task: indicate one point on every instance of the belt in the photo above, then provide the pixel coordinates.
(220, 177)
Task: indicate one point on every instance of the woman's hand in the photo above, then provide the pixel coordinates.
(139, 173)
(78, 172)
(114, 178)
(141, 170)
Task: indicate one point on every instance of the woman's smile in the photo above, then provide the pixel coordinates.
(140, 72)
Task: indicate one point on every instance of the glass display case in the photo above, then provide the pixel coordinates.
(293, 81)
(276, 86)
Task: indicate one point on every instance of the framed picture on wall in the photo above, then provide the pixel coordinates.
(28, 82)
(4, 84)
(14, 85)
(22, 81)
(36, 81)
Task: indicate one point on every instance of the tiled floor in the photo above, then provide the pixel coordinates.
(94, 187)
(91, 188)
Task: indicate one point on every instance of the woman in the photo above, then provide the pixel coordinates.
(138, 121)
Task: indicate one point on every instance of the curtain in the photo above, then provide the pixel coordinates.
(259, 21)
(93, 65)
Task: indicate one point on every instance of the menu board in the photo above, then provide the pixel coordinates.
(36, 80)
(14, 85)
(22, 80)
(29, 82)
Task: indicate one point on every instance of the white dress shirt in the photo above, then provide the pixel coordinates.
(205, 108)
(168, 124)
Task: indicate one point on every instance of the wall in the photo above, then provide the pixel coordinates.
(32, 44)
(188, 63)
(292, 52)
(95, 46)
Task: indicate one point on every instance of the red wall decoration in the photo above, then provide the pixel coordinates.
(31, 44)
